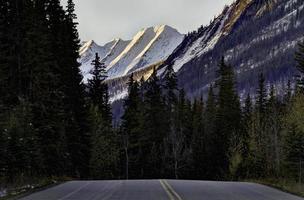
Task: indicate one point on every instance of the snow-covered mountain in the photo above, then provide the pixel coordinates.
(149, 46)
(255, 36)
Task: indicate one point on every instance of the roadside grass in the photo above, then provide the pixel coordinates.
(285, 185)
(25, 186)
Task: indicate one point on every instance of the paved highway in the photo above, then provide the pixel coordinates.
(160, 190)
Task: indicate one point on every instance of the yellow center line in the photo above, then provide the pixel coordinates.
(169, 190)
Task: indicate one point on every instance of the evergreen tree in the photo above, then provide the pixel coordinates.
(96, 84)
(170, 89)
(259, 132)
(288, 93)
(76, 118)
(131, 130)
(273, 136)
(294, 140)
(261, 99)
(104, 152)
(198, 139)
(43, 93)
(246, 138)
(177, 149)
(155, 128)
(300, 66)
(208, 145)
(227, 122)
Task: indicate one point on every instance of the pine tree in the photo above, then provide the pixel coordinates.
(43, 93)
(131, 129)
(274, 129)
(170, 89)
(300, 66)
(103, 161)
(227, 123)
(77, 126)
(198, 139)
(155, 128)
(171, 102)
(243, 171)
(288, 93)
(259, 133)
(261, 99)
(294, 140)
(95, 85)
(208, 145)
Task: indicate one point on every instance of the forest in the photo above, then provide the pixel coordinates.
(54, 125)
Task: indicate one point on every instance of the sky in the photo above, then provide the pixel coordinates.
(104, 20)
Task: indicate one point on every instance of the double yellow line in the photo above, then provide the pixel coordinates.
(169, 190)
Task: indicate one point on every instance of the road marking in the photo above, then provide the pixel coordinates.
(74, 192)
(169, 190)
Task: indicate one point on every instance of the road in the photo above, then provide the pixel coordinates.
(160, 190)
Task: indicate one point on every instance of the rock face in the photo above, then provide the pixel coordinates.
(255, 36)
(149, 46)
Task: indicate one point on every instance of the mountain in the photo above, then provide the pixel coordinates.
(255, 36)
(149, 46)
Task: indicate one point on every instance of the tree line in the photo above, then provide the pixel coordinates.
(218, 137)
(52, 124)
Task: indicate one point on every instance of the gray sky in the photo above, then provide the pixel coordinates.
(104, 20)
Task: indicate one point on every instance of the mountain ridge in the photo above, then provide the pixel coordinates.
(149, 46)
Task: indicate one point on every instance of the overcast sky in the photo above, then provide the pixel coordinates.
(104, 20)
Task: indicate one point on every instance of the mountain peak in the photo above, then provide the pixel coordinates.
(85, 46)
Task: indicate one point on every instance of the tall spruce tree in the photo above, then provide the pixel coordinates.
(76, 118)
(294, 140)
(198, 139)
(259, 132)
(227, 121)
(131, 130)
(243, 171)
(104, 151)
(300, 65)
(208, 142)
(155, 128)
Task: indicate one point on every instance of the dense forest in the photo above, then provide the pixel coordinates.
(54, 125)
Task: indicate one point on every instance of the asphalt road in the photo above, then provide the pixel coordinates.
(160, 190)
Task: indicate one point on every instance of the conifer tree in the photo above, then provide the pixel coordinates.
(300, 65)
(104, 151)
(76, 118)
(259, 134)
(274, 129)
(243, 171)
(155, 128)
(198, 140)
(170, 89)
(227, 121)
(131, 129)
(43, 93)
(294, 140)
(208, 145)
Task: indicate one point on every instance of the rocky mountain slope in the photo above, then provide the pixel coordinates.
(254, 36)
